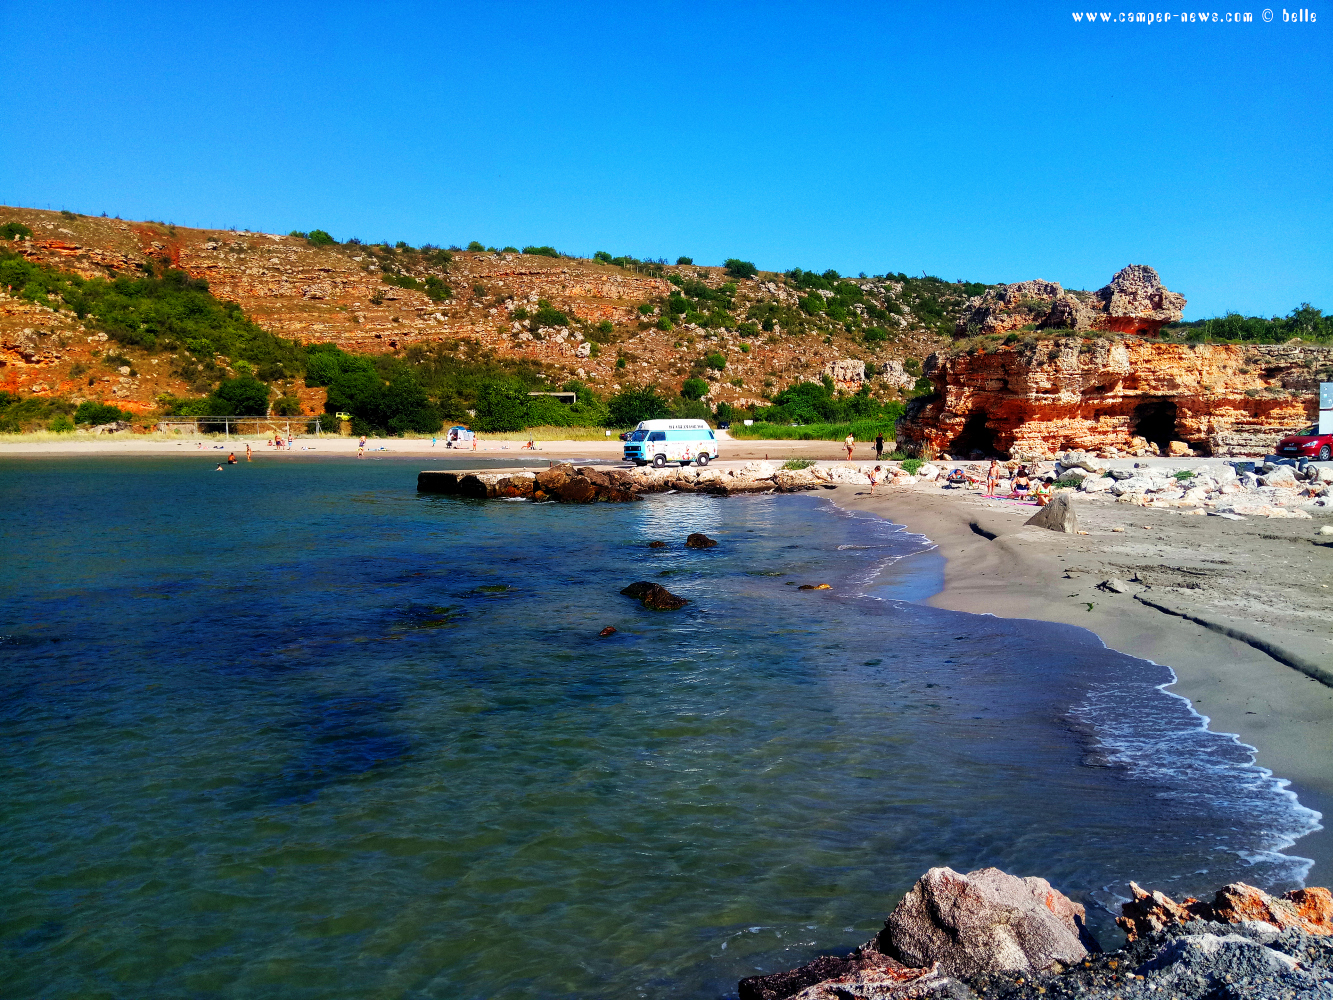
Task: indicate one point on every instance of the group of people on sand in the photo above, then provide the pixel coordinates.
(1023, 486)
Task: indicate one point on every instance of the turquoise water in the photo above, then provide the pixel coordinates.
(293, 730)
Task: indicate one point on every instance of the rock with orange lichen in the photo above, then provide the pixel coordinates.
(1310, 910)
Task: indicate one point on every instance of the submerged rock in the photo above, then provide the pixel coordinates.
(697, 540)
(654, 596)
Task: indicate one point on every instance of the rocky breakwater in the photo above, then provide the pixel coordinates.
(988, 934)
(1067, 377)
(566, 483)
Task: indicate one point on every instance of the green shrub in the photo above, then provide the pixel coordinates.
(475, 247)
(664, 323)
(684, 261)
(287, 406)
(15, 231)
(548, 315)
(797, 464)
(631, 406)
(319, 238)
(243, 396)
(740, 268)
(602, 256)
(1068, 483)
(61, 424)
(912, 465)
(542, 251)
(876, 335)
(97, 413)
(694, 388)
(716, 361)
(502, 405)
(437, 290)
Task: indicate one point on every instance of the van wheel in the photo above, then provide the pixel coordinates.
(702, 460)
(659, 462)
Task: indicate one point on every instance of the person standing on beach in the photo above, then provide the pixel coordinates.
(874, 479)
(848, 445)
(361, 447)
(992, 477)
(247, 452)
(879, 446)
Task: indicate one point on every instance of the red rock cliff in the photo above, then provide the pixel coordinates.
(1125, 394)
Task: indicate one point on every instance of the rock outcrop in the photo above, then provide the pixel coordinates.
(1115, 396)
(1135, 301)
(1311, 910)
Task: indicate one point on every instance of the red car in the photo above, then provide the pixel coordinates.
(1308, 443)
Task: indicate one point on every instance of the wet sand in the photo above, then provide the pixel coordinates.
(1033, 573)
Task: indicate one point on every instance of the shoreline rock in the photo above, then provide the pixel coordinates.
(988, 935)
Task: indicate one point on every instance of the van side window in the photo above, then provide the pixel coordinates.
(657, 436)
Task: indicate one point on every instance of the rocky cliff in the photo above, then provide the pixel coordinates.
(1115, 395)
(1135, 301)
(360, 297)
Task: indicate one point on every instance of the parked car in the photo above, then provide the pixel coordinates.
(1308, 443)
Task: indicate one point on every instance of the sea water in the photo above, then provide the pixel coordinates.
(293, 730)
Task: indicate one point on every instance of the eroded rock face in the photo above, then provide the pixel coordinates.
(1056, 393)
(1135, 301)
(983, 922)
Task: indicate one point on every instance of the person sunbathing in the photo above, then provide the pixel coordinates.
(1041, 492)
(1022, 485)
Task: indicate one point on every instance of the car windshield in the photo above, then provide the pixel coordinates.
(1309, 432)
(637, 436)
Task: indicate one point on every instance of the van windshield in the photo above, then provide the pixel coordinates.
(637, 436)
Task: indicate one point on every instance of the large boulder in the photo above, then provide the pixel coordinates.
(698, 540)
(576, 489)
(986, 921)
(654, 596)
(1283, 476)
(1057, 515)
(549, 479)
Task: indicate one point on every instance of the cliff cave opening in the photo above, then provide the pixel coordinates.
(1155, 421)
(974, 437)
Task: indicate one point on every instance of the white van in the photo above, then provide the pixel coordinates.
(663, 441)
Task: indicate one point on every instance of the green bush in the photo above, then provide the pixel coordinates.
(287, 406)
(97, 413)
(319, 238)
(797, 464)
(663, 323)
(684, 261)
(603, 257)
(631, 406)
(542, 251)
(716, 361)
(740, 268)
(15, 231)
(243, 396)
(475, 247)
(548, 315)
(61, 424)
(912, 465)
(694, 388)
(501, 406)
(876, 335)
(437, 289)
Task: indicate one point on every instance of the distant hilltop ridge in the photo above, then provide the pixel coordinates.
(610, 322)
(717, 335)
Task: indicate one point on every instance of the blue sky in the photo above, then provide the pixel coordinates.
(987, 142)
